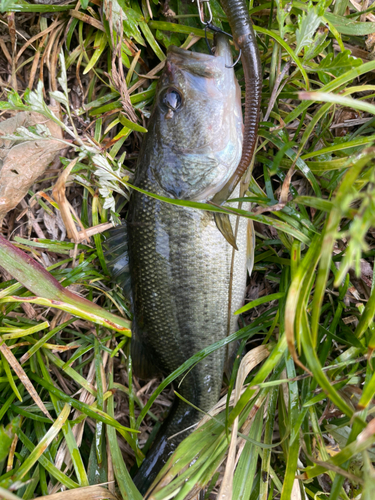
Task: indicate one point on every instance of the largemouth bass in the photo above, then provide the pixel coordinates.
(179, 261)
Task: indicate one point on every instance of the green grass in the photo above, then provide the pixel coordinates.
(296, 419)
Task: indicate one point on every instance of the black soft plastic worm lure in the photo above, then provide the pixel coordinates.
(244, 38)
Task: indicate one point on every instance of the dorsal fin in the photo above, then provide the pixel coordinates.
(117, 257)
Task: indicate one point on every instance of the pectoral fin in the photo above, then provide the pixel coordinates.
(224, 226)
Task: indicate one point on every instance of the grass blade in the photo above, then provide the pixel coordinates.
(43, 444)
(32, 275)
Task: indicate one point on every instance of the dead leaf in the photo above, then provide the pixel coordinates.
(12, 360)
(86, 493)
(91, 231)
(51, 225)
(22, 163)
(58, 193)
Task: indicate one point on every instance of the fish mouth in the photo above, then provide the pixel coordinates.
(193, 60)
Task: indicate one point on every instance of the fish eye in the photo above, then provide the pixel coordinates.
(171, 98)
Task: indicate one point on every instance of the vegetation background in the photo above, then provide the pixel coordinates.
(296, 417)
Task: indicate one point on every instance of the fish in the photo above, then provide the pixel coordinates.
(185, 277)
(178, 261)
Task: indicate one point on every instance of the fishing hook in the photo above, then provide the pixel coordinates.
(216, 29)
(209, 26)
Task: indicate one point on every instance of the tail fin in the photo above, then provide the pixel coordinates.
(176, 427)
